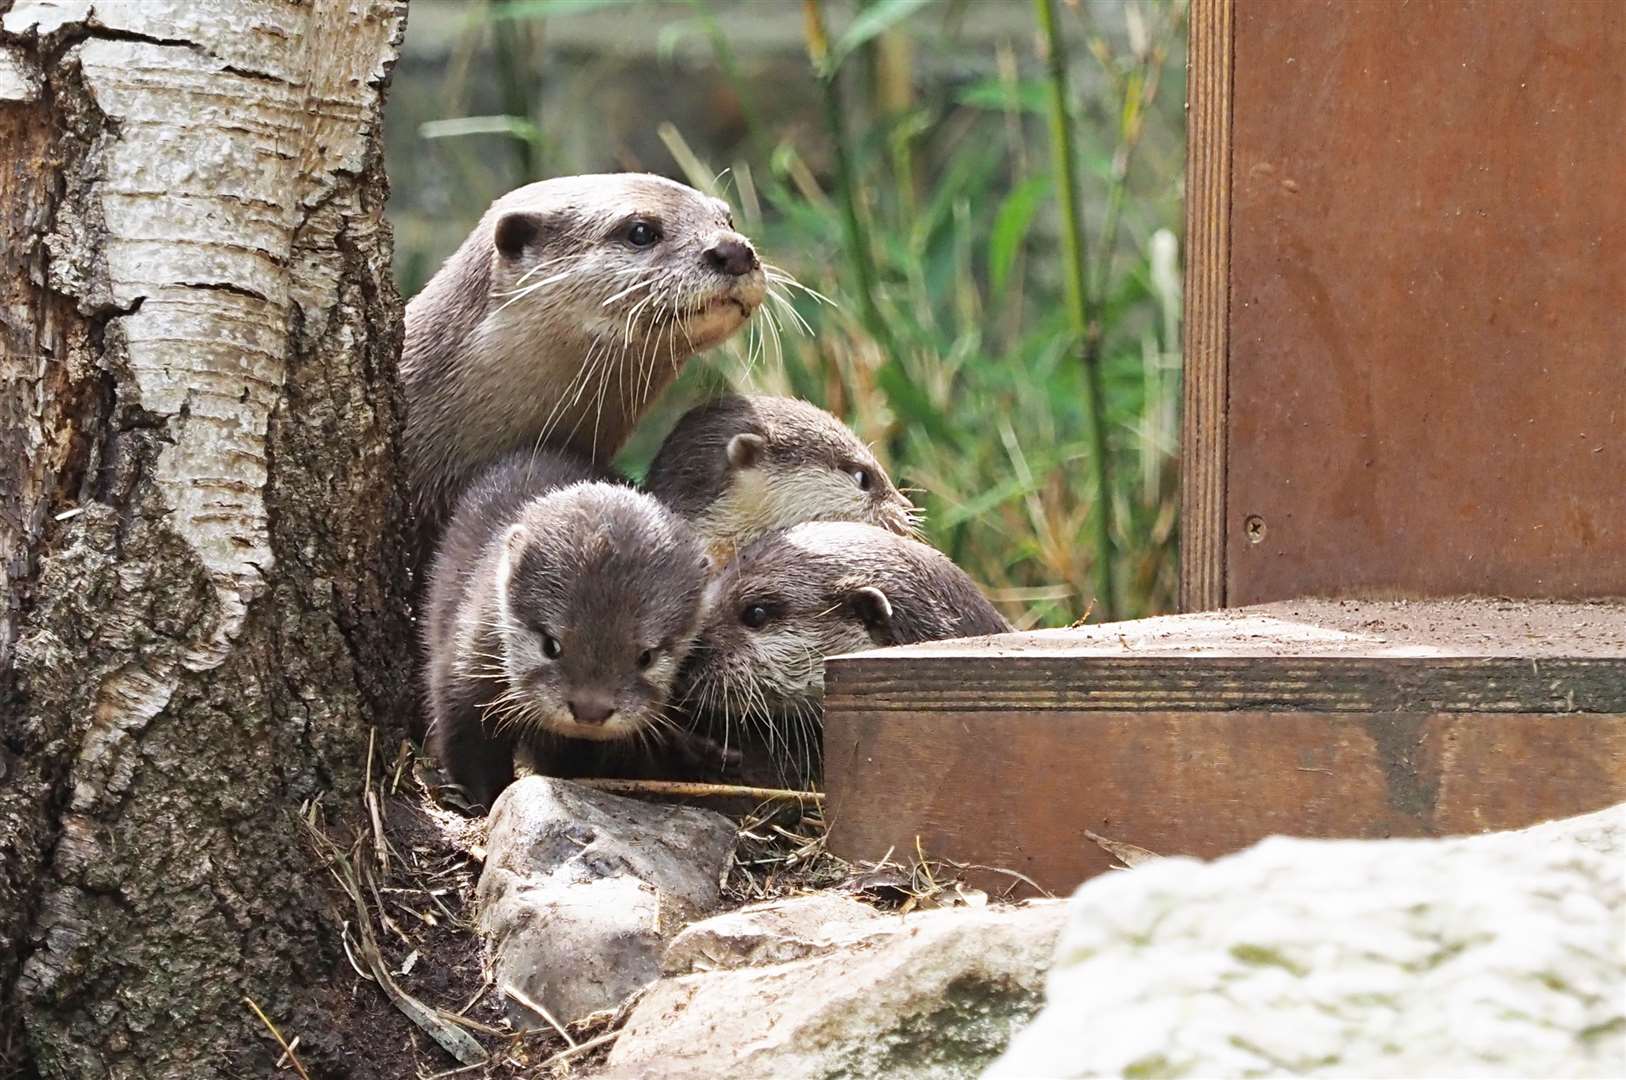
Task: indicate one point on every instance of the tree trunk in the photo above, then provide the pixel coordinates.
(201, 600)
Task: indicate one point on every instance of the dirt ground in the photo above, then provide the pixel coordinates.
(416, 888)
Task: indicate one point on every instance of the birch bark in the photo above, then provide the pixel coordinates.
(201, 604)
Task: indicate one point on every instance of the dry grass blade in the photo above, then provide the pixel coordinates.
(693, 790)
(536, 1007)
(581, 1048)
(1128, 854)
(287, 1047)
(380, 848)
(450, 1037)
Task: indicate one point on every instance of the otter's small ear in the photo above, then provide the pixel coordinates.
(514, 540)
(516, 231)
(746, 449)
(873, 609)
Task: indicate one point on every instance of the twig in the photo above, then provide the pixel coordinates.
(379, 847)
(287, 1048)
(401, 759)
(581, 1048)
(1088, 334)
(478, 994)
(537, 1007)
(454, 1040)
(695, 790)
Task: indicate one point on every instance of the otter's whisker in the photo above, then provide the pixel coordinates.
(541, 266)
(780, 276)
(642, 283)
(779, 298)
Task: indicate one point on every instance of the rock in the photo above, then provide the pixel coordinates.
(773, 932)
(1496, 955)
(932, 994)
(582, 889)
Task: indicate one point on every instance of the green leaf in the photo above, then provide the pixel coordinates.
(515, 126)
(1000, 95)
(912, 403)
(873, 20)
(551, 9)
(1011, 227)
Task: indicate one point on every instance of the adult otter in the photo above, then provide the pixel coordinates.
(742, 466)
(569, 307)
(819, 589)
(560, 611)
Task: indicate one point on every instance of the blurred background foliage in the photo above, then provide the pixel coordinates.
(896, 156)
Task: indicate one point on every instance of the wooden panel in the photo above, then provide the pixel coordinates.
(1208, 243)
(1017, 790)
(1427, 350)
(1202, 733)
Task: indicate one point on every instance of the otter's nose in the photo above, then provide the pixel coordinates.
(732, 256)
(591, 709)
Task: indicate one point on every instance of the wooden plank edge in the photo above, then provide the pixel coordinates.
(1207, 306)
(901, 683)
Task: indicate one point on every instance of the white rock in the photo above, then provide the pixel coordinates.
(773, 932)
(581, 891)
(1498, 955)
(935, 997)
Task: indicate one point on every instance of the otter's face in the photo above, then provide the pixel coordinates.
(780, 479)
(644, 266)
(598, 608)
(774, 614)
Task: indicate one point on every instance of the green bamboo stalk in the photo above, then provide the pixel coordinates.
(518, 87)
(1086, 332)
(858, 240)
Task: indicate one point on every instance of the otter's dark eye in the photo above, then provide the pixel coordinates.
(550, 646)
(860, 477)
(646, 658)
(642, 234)
(754, 616)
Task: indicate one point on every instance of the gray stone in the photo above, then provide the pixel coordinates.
(773, 932)
(1496, 955)
(582, 889)
(936, 995)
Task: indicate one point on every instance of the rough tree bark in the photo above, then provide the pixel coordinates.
(201, 599)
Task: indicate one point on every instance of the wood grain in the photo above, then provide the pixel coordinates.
(1426, 369)
(1208, 248)
(1018, 789)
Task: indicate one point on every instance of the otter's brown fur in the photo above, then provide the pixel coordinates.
(820, 589)
(570, 305)
(560, 611)
(742, 466)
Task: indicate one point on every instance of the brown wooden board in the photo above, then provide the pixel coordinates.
(1199, 734)
(1422, 377)
(1017, 790)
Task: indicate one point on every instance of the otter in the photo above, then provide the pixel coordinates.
(561, 608)
(568, 308)
(819, 589)
(742, 466)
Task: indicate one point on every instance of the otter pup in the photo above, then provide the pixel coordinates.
(820, 589)
(560, 610)
(569, 307)
(742, 466)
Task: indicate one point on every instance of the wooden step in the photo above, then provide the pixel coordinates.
(1200, 734)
